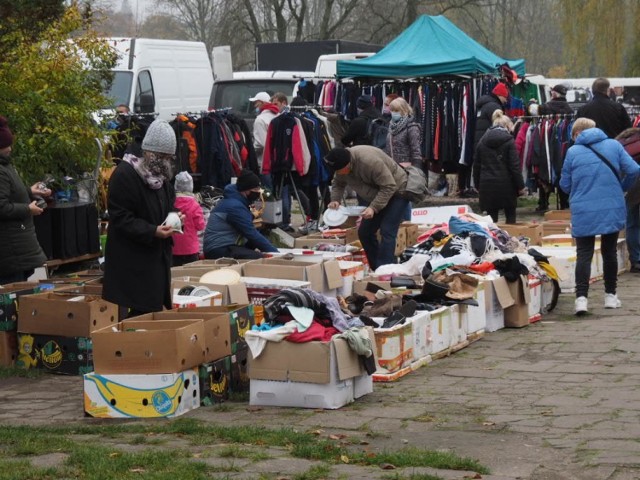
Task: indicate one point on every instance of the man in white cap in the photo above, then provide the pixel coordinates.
(265, 111)
(138, 253)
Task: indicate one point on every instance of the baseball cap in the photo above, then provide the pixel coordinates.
(262, 96)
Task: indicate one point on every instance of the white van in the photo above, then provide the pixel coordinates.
(161, 76)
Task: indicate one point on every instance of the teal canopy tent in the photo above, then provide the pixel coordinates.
(430, 46)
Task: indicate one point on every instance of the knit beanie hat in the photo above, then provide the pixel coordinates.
(184, 182)
(337, 159)
(501, 90)
(561, 89)
(160, 138)
(364, 101)
(6, 137)
(247, 180)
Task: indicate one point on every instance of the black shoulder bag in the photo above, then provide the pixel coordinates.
(607, 162)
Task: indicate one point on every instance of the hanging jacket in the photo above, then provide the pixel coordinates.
(496, 170)
(231, 223)
(630, 140)
(19, 247)
(286, 146)
(595, 193)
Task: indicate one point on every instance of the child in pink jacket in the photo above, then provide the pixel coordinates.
(186, 247)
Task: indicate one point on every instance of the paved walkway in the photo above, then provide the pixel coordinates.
(557, 400)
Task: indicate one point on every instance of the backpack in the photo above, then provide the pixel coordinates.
(417, 188)
(377, 131)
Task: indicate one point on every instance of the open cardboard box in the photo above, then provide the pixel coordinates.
(360, 286)
(517, 315)
(311, 240)
(230, 293)
(201, 269)
(149, 346)
(533, 231)
(557, 215)
(65, 313)
(217, 330)
(323, 277)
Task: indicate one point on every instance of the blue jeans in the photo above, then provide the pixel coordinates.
(387, 222)
(633, 234)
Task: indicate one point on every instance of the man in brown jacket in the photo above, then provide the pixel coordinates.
(377, 179)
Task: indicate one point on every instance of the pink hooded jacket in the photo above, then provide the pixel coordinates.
(187, 243)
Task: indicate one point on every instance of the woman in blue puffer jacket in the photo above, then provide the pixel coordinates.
(596, 198)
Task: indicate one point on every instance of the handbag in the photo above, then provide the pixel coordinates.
(417, 187)
(607, 162)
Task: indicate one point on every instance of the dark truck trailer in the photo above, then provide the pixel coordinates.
(302, 56)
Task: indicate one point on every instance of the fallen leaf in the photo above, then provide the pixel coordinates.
(477, 475)
(364, 442)
(114, 454)
(387, 466)
(344, 459)
(488, 424)
(339, 436)
(317, 432)
(197, 455)
(137, 470)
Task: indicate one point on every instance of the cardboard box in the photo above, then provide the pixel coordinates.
(141, 396)
(260, 289)
(313, 239)
(217, 330)
(554, 227)
(351, 272)
(311, 256)
(230, 293)
(557, 215)
(66, 314)
(560, 240)
(9, 295)
(517, 315)
(401, 241)
(55, 354)
(532, 231)
(239, 379)
(324, 277)
(214, 264)
(493, 296)
(437, 215)
(440, 340)
(421, 334)
(8, 348)
(535, 294)
(458, 324)
(394, 347)
(149, 346)
(362, 385)
(215, 378)
(308, 375)
(411, 233)
(86, 289)
(475, 317)
(191, 301)
(241, 319)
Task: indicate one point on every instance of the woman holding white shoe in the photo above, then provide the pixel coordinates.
(596, 173)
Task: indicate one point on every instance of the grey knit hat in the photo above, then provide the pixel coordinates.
(184, 182)
(160, 138)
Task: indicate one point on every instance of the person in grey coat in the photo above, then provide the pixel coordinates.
(20, 252)
(403, 139)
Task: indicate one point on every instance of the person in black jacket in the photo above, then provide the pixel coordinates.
(496, 170)
(357, 133)
(557, 105)
(610, 117)
(485, 106)
(138, 253)
(20, 252)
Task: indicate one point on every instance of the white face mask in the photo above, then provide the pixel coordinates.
(396, 116)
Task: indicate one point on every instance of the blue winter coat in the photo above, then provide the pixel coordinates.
(595, 195)
(231, 222)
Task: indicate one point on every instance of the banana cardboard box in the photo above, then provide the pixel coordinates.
(55, 354)
(215, 379)
(239, 375)
(241, 318)
(9, 297)
(141, 396)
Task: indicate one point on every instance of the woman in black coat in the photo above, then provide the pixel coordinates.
(138, 250)
(20, 252)
(496, 169)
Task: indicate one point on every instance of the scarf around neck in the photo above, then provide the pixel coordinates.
(395, 127)
(153, 168)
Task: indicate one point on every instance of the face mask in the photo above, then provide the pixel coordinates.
(257, 110)
(253, 196)
(396, 116)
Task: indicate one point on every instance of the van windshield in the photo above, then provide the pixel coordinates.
(236, 94)
(120, 90)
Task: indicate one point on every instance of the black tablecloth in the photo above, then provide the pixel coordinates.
(68, 230)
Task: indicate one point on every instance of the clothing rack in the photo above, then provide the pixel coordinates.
(551, 116)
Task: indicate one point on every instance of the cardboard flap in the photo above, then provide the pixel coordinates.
(238, 294)
(349, 364)
(503, 294)
(526, 293)
(332, 274)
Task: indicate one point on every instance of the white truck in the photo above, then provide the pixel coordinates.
(161, 76)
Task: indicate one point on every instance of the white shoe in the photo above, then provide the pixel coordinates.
(581, 305)
(611, 301)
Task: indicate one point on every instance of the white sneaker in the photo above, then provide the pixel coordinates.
(581, 305)
(611, 301)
